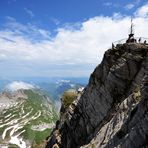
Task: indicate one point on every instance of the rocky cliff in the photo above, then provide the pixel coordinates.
(112, 111)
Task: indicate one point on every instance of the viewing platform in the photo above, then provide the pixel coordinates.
(131, 39)
(137, 40)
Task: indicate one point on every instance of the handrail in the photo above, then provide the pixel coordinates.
(122, 41)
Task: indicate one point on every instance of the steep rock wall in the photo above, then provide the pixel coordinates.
(112, 110)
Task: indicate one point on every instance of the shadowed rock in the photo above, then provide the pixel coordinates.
(113, 109)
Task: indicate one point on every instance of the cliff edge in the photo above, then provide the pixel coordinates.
(112, 111)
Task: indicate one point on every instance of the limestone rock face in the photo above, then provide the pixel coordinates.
(112, 111)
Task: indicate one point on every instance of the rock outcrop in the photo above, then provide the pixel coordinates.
(112, 111)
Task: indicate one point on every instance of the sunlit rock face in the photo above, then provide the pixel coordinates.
(112, 111)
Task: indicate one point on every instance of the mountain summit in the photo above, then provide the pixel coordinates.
(112, 111)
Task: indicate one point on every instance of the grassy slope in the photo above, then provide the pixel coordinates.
(35, 100)
(37, 103)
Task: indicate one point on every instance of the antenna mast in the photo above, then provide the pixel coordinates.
(131, 35)
(132, 26)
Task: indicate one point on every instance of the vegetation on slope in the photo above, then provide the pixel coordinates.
(34, 111)
(68, 97)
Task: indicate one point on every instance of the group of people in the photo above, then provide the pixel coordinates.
(133, 40)
(140, 40)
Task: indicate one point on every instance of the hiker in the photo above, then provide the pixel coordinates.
(113, 46)
(139, 40)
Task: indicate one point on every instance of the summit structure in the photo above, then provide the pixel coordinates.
(131, 38)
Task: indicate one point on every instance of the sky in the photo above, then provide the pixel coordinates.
(63, 38)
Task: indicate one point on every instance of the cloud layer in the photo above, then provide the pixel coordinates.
(142, 11)
(17, 85)
(74, 51)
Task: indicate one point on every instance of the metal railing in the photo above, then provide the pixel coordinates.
(122, 41)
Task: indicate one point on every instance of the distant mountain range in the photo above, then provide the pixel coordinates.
(55, 89)
(26, 118)
(28, 109)
(52, 87)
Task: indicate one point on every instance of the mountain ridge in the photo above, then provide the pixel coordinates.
(26, 118)
(115, 92)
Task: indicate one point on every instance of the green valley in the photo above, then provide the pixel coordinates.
(27, 122)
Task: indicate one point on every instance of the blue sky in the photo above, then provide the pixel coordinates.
(63, 38)
(50, 13)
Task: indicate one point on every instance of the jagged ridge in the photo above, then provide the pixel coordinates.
(112, 111)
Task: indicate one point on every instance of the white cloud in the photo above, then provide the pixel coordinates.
(29, 12)
(117, 15)
(111, 4)
(74, 51)
(129, 6)
(55, 21)
(142, 11)
(70, 45)
(2, 56)
(132, 5)
(107, 3)
(17, 85)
